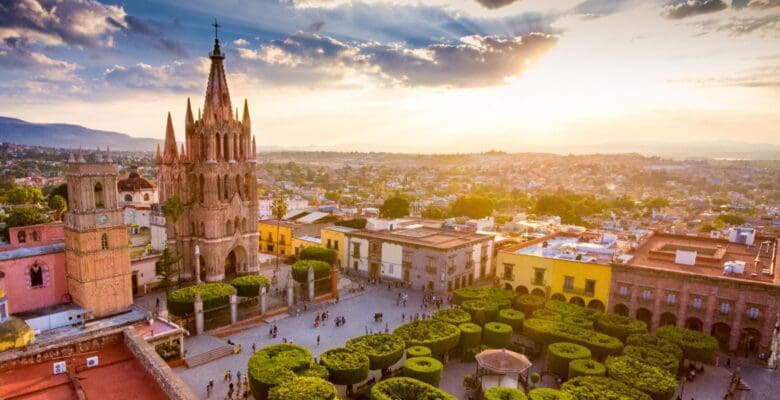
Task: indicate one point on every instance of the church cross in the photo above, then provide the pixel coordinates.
(216, 26)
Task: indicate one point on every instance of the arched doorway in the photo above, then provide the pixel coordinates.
(538, 292)
(558, 296)
(508, 286)
(645, 315)
(597, 305)
(749, 340)
(620, 309)
(722, 332)
(520, 289)
(577, 300)
(693, 324)
(668, 318)
(235, 261)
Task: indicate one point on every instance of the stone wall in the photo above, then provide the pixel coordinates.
(170, 383)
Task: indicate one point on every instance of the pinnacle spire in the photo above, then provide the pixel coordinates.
(188, 120)
(158, 155)
(246, 120)
(217, 106)
(169, 148)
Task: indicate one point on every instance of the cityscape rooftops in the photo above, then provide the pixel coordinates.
(442, 239)
(566, 247)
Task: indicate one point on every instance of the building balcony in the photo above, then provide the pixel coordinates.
(578, 291)
(431, 270)
(539, 282)
(508, 277)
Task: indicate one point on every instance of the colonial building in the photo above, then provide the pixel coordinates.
(136, 197)
(213, 175)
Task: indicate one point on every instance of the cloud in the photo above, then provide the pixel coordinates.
(599, 8)
(767, 76)
(177, 76)
(494, 4)
(692, 8)
(765, 26)
(755, 4)
(240, 42)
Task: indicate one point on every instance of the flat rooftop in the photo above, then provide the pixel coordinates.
(565, 247)
(437, 238)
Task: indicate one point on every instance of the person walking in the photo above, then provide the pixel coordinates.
(318, 340)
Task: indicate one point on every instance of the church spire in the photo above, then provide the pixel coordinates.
(188, 120)
(217, 106)
(169, 148)
(246, 120)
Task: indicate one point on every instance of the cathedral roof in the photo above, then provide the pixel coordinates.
(134, 182)
(217, 106)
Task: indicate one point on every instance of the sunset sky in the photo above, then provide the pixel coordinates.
(436, 75)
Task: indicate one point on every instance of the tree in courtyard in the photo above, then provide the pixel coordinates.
(58, 204)
(172, 209)
(278, 209)
(395, 207)
(23, 216)
(165, 269)
(435, 212)
(19, 194)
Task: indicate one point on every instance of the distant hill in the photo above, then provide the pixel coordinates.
(16, 131)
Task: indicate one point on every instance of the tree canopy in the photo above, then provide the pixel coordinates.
(395, 207)
(473, 206)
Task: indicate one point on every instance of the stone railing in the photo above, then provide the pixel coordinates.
(169, 382)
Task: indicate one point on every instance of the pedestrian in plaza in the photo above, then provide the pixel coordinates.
(208, 391)
(238, 376)
(318, 340)
(225, 375)
(253, 348)
(403, 317)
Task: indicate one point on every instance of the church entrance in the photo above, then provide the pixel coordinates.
(235, 262)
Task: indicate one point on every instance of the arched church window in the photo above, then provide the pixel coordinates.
(104, 241)
(219, 146)
(201, 183)
(237, 224)
(247, 181)
(229, 227)
(128, 197)
(99, 195)
(244, 227)
(202, 229)
(192, 228)
(239, 185)
(36, 275)
(146, 196)
(21, 237)
(219, 187)
(203, 148)
(225, 187)
(235, 147)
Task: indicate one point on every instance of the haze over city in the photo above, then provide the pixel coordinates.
(433, 76)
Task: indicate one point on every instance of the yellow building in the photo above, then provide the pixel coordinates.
(335, 238)
(273, 236)
(302, 242)
(559, 266)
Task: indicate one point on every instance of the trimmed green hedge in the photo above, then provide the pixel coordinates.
(14, 332)
(495, 295)
(383, 350)
(696, 345)
(470, 336)
(544, 313)
(497, 335)
(319, 254)
(547, 332)
(213, 295)
(418, 351)
(656, 382)
(249, 285)
(453, 316)
(424, 369)
(300, 270)
(601, 388)
(548, 394)
(619, 326)
(512, 318)
(504, 393)
(578, 320)
(304, 388)
(528, 303)
(345, 366)
(407, 389)
(653, 356)
(279, 363)
(560, 354)
(571, 309)
(438, 336)
(586, 367)
(481, 311)
(661, 344)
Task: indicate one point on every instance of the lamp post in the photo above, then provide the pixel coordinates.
(197, 264)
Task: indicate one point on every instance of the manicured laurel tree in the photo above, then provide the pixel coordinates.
(548, 394)
(579, 321)
(249, 285)
(528, 303)
(599, 388)
(425, 369)
(497, 335)
(586, 367)
(453, 316)
(656, 382)
(503, 393)
(481, 311)
(418, 351)
(560, 354)
(319, 253)
(345, 366)
(470, 336)
(383, 350)
(696, 345)
(407, 389)
(619, 326)
(438, 336)
(512, 318)
(653, 356)
(278, 363)
(502, 297)
(214, 295)
(544, 313)
(570, 309)
(304, 388)
(300, 270)
(655, 342)
(546, 332)
(464, 294)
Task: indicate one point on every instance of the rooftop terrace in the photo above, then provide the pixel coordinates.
(565, 247)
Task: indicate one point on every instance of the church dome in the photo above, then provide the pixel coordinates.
(134, 182)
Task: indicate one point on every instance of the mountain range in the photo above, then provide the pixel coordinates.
(68, 136)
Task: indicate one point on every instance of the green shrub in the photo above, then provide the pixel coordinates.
(279, 363)
(544, 313)
(656, 382)
(300, 270)
(547, 332)
(548, 394)
(407, 389)
(653, 356)
(504, 393)
(619, 326)
(318, 253)
(425, 369)
(569, 309)
(438, 336)
(481, 311)
(696, 345)
(249, 285)
(453, 316)
(601, 388)
(470, 336)
(586, 367)
(495, 295)
(512, 318)
(579, 321)
(465, 294)
(213, 295)
(655, 342)
(418, 351)
(383, 350)
(304, 388)
(15, 333)
(528, 303)
(497, 335)
(345, 366)
(560, 354)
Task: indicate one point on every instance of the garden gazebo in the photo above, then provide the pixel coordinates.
(494, 364)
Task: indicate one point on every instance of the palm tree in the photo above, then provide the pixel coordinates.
(172, 209)
(278, 209)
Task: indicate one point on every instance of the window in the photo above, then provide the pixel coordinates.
(356, 250)
(201, 185)
(336, 244)
(270, 237)
(146, 197)
(508, 271)
(568, 283)
(390, 268)
(128, 197)
(671, 299)
(647, 294)
(754, 313)
(36, 236)
(538, 276)
(104, 241)
(697, 303)
(98, 195)
(281, 239)
(724, 308)
(21, 237)
(590, 287)
(355, 265)
(328, 245)
(36, 275)
(623, 291)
